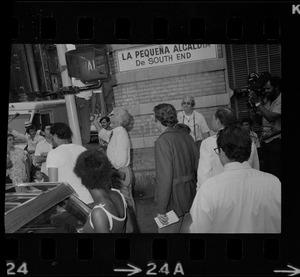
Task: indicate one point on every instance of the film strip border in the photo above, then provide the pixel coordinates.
(122, 22)
(147, 255)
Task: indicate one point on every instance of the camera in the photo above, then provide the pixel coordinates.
(256, 82)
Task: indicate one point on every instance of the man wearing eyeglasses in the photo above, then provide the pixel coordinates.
(195, 120)
(240, 199)
(209, 163)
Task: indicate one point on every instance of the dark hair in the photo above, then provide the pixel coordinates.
(35, 170)
(276, 82)
(62, 130)
(94, 169)
(104, 117)
(181, 126)
(226, 116)
(166, 114)
(248, 120)
(45, 125)
(30, 127)
(236, 142)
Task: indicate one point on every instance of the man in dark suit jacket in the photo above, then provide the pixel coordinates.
(176, 163)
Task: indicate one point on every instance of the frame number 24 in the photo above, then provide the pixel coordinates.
(13, 269)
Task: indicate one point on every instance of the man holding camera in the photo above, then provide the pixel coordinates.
(270, 109)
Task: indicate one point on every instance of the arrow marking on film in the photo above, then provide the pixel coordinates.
(293, 272)
(132, 270)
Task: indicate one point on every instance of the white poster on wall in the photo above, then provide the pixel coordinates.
(164, 54)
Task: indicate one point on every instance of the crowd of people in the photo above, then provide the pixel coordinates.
(211, 179)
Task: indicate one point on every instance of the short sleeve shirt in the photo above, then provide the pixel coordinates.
(196, 121)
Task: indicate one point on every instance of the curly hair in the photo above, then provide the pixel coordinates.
(94, 169)
(166, 114)
(236, 142)
(122, 116)
(62, 130)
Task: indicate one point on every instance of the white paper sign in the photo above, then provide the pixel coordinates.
(164, 54)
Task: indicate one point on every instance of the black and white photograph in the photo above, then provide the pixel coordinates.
(151, 138)
(165, 138)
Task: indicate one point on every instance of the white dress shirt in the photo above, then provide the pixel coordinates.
(239, 200)
(118, 149)
(209, 162)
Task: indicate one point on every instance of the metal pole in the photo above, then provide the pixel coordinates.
(102, 101)
(32, 69)
(70, 98)
(43, 67)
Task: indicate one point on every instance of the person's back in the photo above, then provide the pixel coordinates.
(181, 168)
(247, 201)
(209, 163)
(64, 158)
(115, 210)
(185, 154)
(240, 199)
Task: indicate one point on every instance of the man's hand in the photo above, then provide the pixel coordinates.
(253, 97)
(163, 218)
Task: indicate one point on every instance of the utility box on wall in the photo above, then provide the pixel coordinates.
(88, 64)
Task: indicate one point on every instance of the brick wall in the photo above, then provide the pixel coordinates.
(140, 90)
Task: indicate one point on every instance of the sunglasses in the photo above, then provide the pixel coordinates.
(186, 103)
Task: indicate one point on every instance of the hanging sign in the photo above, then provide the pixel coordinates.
(164, 54)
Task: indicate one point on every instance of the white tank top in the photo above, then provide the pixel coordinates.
(109, 215)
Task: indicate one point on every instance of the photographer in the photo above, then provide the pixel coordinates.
(270, 110)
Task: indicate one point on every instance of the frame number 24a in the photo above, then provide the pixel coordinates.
(153, 270)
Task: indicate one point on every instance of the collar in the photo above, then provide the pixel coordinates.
(237, 165)
(169, 130)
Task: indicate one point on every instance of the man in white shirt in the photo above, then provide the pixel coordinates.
(195, 120)
(43, 147)
(240, 199)
(118, 151)
(209, 162)
(62, 159)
